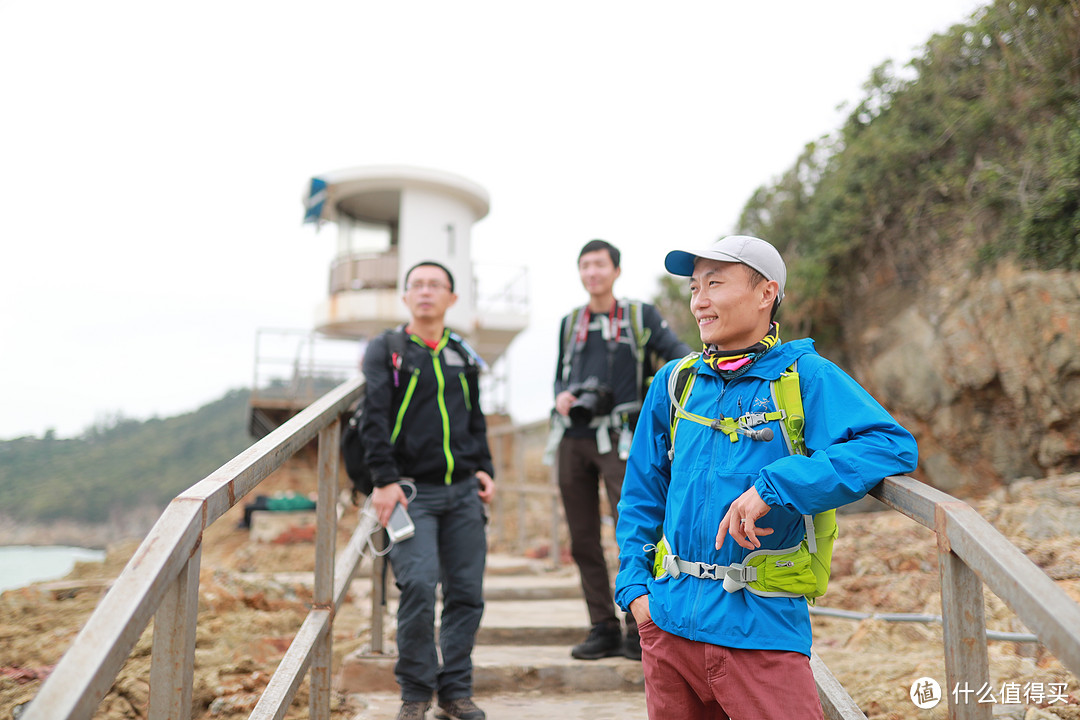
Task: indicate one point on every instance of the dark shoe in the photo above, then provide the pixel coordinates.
(459, 709)
(605, 640)
(632, 645)
(411, 710)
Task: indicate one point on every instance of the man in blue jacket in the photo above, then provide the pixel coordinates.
(710, 652)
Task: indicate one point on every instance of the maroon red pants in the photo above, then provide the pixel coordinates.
(692, 680)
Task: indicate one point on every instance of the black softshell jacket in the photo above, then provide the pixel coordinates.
(442, 436)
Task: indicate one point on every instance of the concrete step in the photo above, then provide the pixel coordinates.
(507, 578)
(533, 615)
(502, 564)
(550, 669)
(501, 668)
(518, 622)
(552, 586)
(531, 622)
(561, 584)
(534, 705)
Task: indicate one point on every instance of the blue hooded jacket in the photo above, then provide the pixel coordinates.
(852, 443)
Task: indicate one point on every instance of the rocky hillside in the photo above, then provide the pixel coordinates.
(934, 245)
(986, 372)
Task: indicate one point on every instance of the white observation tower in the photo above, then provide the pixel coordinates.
(388, 219)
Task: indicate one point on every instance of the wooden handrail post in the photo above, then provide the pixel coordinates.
(497, 510)
(172, 658)
(378, 591)
(522, 513)
(967, 666)
(518, 447)
(556, 520)
(325, 551)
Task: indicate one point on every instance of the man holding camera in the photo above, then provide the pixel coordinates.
(606, 360)
(422, 420)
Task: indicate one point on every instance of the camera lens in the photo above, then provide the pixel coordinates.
(582, 411)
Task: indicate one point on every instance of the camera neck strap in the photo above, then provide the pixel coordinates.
(613, 333)
(615, 317)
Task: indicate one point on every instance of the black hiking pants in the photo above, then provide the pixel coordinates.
(581, 469)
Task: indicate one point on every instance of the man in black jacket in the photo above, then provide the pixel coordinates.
(606, 354)
(422, 421)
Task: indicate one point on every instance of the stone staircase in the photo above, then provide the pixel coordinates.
(522, 663)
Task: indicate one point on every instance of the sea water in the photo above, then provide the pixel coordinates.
(21, 565)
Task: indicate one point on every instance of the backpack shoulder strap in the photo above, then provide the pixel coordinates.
(787, 397)
(396, 339)
(569, 341)
(638, 332)
(472, 358)
(679, 383)
(639, 337)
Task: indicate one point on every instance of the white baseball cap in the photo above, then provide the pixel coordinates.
(751, 251)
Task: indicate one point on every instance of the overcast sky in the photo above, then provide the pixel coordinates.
(153, 158)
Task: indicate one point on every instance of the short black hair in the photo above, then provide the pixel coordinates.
(594, 245)
(754, 277)
(432, 263)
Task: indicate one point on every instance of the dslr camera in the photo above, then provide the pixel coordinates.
(593, 398)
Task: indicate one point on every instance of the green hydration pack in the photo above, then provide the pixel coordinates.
(800, 571)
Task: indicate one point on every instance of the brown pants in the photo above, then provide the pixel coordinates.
(692, 680)
(581, 468)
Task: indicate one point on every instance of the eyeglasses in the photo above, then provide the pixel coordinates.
(433, 285)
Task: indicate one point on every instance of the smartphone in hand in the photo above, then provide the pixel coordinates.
(401, 525)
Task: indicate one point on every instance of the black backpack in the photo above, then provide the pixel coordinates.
(352, 450)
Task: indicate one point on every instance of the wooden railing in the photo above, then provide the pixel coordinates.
(972, 553)
(511, 507)
(162, 582)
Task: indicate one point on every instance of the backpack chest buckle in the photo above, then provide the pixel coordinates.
(753, 419)
(708, 572)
